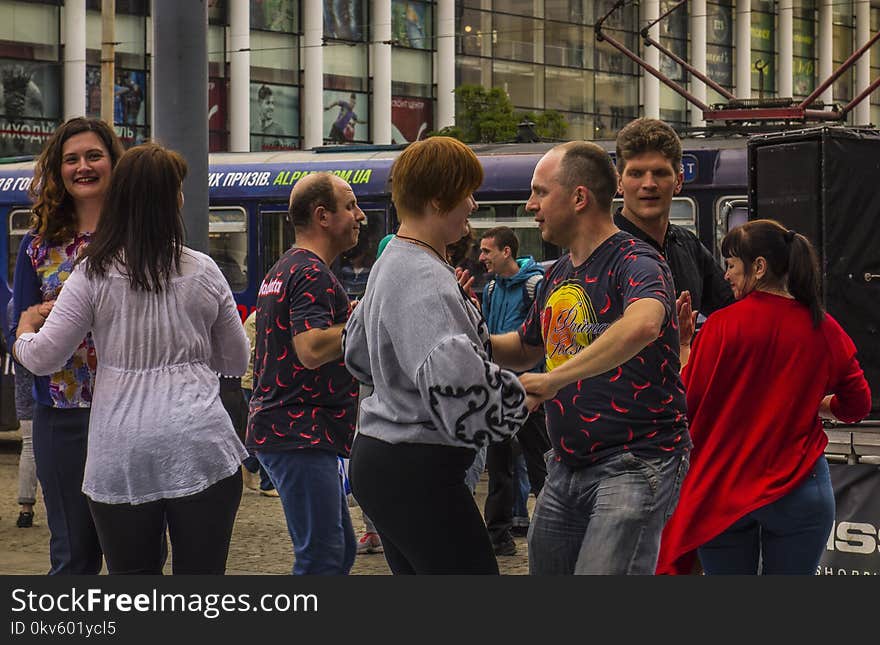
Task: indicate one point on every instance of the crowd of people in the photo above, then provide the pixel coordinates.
(651, 446)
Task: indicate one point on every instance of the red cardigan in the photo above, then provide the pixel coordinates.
(758, 371)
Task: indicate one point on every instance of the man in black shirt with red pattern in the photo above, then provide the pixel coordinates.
(304, 401)
(605, 322)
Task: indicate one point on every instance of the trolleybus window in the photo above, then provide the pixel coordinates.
(353, 267)
(275, 237)
(19, 225)
(227, 243)
(730, 212)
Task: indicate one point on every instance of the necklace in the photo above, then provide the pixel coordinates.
(415, 240)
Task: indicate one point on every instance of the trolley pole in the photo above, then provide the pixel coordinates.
(180, 101)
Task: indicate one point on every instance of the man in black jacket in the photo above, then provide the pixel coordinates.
(649, 164)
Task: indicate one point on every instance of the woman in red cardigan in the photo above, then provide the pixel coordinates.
(761, 374)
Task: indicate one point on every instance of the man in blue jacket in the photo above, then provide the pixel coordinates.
(507, 300)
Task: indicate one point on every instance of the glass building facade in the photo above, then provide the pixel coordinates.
(542, 53)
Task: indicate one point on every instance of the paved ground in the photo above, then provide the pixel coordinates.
(260, 542)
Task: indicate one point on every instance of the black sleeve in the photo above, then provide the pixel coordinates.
(716, 292)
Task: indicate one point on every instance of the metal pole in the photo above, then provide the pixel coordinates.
(108, 59)
(74, 58)
(180, 101)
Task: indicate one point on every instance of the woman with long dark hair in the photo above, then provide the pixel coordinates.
(762, 374)
(71, 177)
(161, 447)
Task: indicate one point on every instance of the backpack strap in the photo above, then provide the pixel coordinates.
(530, 288)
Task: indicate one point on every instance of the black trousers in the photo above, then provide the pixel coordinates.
(533, 441)
(426, 516)
(200, 526)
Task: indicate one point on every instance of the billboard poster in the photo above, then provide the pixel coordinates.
(217, 136)
(129, 102)
(411, 118)
(29, 105)
(853, 547)
(216, 12)
(719, 38)
(274, 117)
(409, 26)
(673, 34)
(346, 117)
(273, 15)
(344, 19)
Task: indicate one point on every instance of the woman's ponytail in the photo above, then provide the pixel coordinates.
(803, 275)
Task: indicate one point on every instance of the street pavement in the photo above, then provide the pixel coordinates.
(260, 542)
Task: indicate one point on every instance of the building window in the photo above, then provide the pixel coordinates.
(763, 55)
(843, 48)
(275, 81)
(719, 47)
(804, 50)
(30, 76)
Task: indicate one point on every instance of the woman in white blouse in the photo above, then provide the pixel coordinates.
(161, 448)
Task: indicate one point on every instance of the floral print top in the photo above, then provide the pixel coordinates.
(72, 386)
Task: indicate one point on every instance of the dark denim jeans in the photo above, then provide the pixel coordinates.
(606, 518)
(60, 437)
(316, 510)
(786, 537)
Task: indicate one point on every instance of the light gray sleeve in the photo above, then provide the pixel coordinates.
(354, 347)
(230, 349)
(68, 323)
(468, 395)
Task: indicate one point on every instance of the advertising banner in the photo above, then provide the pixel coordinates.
(274, 117)
(409, 26)
(217, 137)
(344, 19)
(411, 118)
(129, 104)
(29, 105)
(853, 548)
(346, 115)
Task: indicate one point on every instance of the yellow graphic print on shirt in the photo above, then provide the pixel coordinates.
(568, 323)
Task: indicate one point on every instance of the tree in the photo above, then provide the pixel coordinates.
(548, 125)
(487, 116)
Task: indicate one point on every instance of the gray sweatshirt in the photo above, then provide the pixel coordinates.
(422, 345)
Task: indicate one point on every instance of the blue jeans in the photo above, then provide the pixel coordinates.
(784, 537)
(605, 518)
(316, 510)
(521, 487)
(60, 437)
